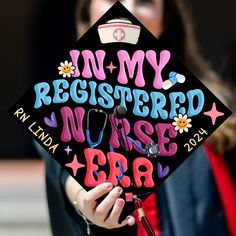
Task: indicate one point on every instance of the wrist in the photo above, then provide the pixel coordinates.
(75, 203)
(74, 191)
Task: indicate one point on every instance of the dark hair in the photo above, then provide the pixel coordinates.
(178, 35)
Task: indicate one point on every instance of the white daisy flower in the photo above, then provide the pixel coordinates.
(182, 123)
(66, 69)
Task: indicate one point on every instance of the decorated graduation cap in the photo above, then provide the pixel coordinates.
(120, 108)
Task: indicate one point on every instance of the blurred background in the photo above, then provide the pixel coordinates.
(21, 170)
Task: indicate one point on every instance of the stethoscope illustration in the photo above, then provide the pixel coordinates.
(152, 150)
(100, 137)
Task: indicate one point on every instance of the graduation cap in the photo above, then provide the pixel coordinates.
(121, 108)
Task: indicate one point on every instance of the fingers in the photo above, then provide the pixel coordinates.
(89, 200)
(106, 205)
(98, 192)
(112, 220)
(107, 213)
(130, 220)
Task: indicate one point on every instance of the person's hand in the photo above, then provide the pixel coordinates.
(104, 214)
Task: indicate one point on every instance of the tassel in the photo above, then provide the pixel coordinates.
(142, 217)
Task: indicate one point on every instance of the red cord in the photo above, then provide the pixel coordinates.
(143, 218)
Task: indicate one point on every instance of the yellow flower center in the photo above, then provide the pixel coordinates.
(182, 123)
(66, 69)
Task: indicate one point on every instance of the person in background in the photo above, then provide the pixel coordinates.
(198, 198)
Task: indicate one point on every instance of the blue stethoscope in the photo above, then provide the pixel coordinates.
(99, 140)
(152, 150)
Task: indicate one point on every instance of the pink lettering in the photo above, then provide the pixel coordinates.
(90, 154)
(97, 156)
(89, 57)
(113, 157)
(141, 135)
(162, 140)
(164, 58)
(138, 58)
(148, 181)
(77, 131)
(74, 54)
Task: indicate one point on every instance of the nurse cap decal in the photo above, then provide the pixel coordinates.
(119, 30)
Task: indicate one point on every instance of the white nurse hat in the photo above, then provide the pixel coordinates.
(119, 30)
